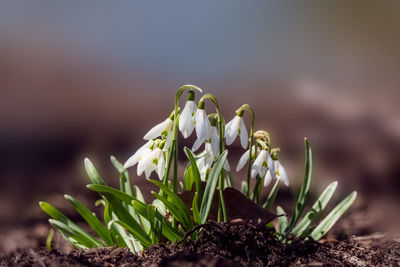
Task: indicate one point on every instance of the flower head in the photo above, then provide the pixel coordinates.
(153, 161)
(262, 163)
(202, 124)
(278, 172)
(234, 128)
(186, 119)
(139, 154)
(162, 129)
(245, 158)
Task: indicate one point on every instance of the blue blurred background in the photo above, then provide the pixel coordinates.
(85, 78)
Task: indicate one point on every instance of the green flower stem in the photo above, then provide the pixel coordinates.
(249, 109)
(221, 129)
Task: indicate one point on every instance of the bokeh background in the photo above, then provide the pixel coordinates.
(88, 79)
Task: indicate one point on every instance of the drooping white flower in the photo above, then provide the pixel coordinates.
(262, 163)
(163, 128)
(153, 161)
(278, 172)
(202, 124)
(186, 119)
(245, 158)
(234, 128)
(205, 162)
(139, 154)
(212, 138)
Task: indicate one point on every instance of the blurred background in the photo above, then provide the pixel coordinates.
(88, 79)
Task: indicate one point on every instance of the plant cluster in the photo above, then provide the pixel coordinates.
(131, 222)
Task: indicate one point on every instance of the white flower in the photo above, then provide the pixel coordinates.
(203, 126)
(212, 138)
(278, 172)
(236, 127)
(164, 128)
(262, 163)
(186, 119)
(205, 162)
(139, 154)
(245, 158)
(153, 161)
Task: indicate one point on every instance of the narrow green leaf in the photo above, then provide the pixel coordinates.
(91, 171)
(282, 220)
(167, 230)
(188, 177)
(117, 232)
(91, 219)
(319, 205)
(305, 189)
(178, 213)
(243, 187)
(327, 223)
(195, 209)
(176, 202)
(115, 192)
(139, 195)
(196, 174)
(229, 180)
(134, 230)
(211, 186)
(49, 239)
(272, 195)
(58, 216)
(73, 233)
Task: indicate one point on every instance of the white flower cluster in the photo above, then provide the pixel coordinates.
(152, 155)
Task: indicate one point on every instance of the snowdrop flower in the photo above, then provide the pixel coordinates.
(262, 163)
(162, 129)
(212, 138)
(153, 161)
(202, 124)
(186, 119)
(205, 162)
(279, 172)
(139, 154)
(237, 127)
(245, 158)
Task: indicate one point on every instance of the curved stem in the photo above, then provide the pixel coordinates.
(249, 109)
(174, 146)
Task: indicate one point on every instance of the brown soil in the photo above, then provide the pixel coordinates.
(225, 245)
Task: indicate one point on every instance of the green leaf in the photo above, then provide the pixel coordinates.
(305, 189)
(327, 223)
(282, 219)
(272, 195)
(195, 209)
(115, 192)
(117, 232)
(59, 217)
(139, 196)
(69, 231)
(49, 239)
(211, 186)
(91, 171)
(91, 219)
(229, 180)
(188, 177)
(243, 187)
(196, 174)
(167, 230)
(181, 209)
(319, 205)
(135, 230)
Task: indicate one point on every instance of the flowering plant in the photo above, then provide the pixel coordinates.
(131, 222)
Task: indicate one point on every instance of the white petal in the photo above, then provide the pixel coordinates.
(227, 167)
(135, 157)
(282, 173)
(215, 141)
(202, 124)
(271, 165)
(197, 144)
(158, 129)
(231, 131)
(258, 163)
(168, 141)
(267, 178)
(186, 120)
(244, 136)
(143, 162)
(243, 160)
(161, 167)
